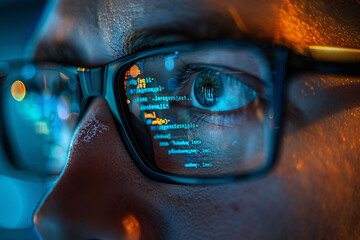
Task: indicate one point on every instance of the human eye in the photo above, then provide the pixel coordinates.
(207, 111)
(218, 89)
(218, 92)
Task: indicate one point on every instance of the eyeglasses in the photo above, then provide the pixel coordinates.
(199, 113)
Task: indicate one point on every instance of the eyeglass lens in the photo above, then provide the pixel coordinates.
(40, 109)
(202, 112)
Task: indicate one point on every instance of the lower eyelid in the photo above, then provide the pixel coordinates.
(233, 118)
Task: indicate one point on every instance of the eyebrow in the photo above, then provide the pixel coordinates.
(211, 27)
(214, 27)
(145, 39)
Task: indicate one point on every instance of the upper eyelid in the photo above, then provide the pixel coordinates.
(261, 63)
(227, 70)
(257, 86)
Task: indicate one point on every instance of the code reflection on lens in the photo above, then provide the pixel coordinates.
(202, 112)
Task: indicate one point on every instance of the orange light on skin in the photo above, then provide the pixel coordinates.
(237, 18)
(36, 219)
(299, 166)
(132, 227)
(18, 90)
(301, 24)
(134, 71)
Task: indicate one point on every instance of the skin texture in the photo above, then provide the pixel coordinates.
(313, 193)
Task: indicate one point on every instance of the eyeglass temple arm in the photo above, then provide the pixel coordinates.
(325, 59)
(335, 54)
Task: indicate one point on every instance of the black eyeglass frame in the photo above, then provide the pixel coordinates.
(103, 82)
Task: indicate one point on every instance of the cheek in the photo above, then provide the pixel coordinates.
(315, 180)
(311, 190)
(319, 165)
(102, 187)
(250, 209)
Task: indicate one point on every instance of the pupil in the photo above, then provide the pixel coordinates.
(207, 90)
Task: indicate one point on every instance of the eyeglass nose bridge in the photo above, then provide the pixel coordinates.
(92, 85)
(98, 83)
(91, 81)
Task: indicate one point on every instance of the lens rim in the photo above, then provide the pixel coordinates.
(162, 176)
(5, 135)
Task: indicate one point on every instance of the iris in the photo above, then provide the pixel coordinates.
(208, 89)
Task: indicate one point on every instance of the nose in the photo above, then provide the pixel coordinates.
(98, 195)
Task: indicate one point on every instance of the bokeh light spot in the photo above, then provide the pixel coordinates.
(63, 108)
(169, 64)
(28, 71)
(18, 90)
(134, 71)
(299, 166)
(132, 227)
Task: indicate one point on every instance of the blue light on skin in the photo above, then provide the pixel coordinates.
(28, 72)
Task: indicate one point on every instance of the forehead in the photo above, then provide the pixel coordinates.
(94, 32)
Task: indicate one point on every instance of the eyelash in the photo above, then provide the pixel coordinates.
(185, 75)
(188, 70)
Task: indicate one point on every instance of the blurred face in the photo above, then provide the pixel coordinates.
(313, 193)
